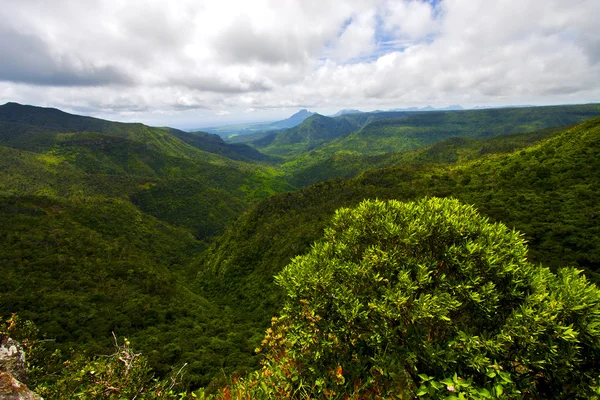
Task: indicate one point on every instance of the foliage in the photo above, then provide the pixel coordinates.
(315, 130)
(122, 374)
(213, 143)
(317, 166)
(84, 268)
(101, 220)
(99, 223)
(429, 299)
(385, 133)
(547, 192)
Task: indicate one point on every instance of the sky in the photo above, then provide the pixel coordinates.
(200, 63)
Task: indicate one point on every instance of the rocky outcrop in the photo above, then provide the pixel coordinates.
(13, 371)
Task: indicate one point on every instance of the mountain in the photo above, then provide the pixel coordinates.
(385, 133)
(453, 107)
(418, 129)
(181, 179)
(309, 134)
(345, 112)
(100, 221)
(292, 121)
(314, 131)
(458, 149)
(38, 129)
(234, 131)
(213, 143)
(546, 190)
(172, 239)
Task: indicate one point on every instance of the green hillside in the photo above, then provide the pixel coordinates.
(86, 267)
(316, 130)
(546, 191)
(213, 143)
(100, 221)
(309, 134)
(162, 174)
(458, 149)
(173, 239)
(420, 129)
(408, 131)
(37, 129)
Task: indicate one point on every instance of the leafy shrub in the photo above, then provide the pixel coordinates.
(124, 374)
(428, 299)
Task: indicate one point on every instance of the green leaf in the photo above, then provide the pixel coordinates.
(422, 390)
(424, 377)
(436, 385)
(499, 390)
(447, 382)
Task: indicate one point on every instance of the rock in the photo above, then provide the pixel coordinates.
(12, 389)
(12, 358)
(13, 371)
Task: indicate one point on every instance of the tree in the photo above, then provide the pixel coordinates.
(430, 299)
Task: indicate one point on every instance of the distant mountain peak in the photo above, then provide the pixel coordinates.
(453, 107)
(299, 116)
(302, 113)
(346, 111)
(292, 121)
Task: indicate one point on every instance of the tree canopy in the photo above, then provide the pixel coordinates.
(429, 298)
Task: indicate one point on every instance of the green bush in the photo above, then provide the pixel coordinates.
(124, 374)
(428, 299)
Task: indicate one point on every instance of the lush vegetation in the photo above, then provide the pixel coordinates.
(429, 300)
(378, 134)
(313, 168)
(172, 239)
(546, 191)
(100, 222)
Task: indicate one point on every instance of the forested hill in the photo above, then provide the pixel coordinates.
(100, 221)
(213, 143)
(111, 227)
(380, 132)
(384, 133)
(316, 130)
(190, 183)
(36, 128)
(547, 191)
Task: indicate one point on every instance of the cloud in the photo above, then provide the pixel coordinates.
(242, 42)
(157, 59)
(410, 19)
(28, 59)
(220, 84)
(357, 38)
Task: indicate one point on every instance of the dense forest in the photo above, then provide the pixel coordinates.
(337, 237)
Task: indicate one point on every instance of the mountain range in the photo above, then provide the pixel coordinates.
(172, 238)
(228, 131)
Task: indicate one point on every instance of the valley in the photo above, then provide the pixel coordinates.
(173, 239)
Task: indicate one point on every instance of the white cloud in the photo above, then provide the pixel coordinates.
(141, 56)
(411, 19)
(357, 38)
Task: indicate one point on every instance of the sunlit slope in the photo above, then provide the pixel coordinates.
(50, 152)
(310, 170)
(382, 133)
(548, 191)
